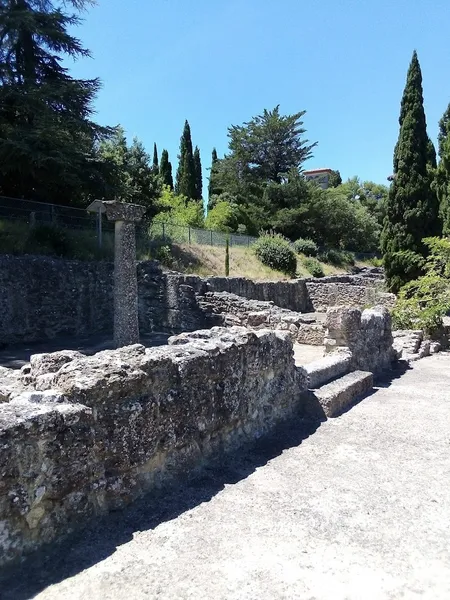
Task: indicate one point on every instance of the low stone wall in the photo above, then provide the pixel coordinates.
(236, 310)
(348, 291)
(291, 294)
(367, 334)
(107, 428)
(43, 298)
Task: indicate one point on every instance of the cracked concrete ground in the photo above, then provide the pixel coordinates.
(357, 510)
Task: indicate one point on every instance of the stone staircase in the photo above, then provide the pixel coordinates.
(333, 387)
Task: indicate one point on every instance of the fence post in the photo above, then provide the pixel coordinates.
(189, 234)
(210, 231)
(32, 219)
(163, 233)
(99, 227)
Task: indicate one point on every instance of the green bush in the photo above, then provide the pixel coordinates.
(401, 267)
(274, 251)
(306, 247)
(375, 262)
(422, 304)
(48, 239)
(337, 258)
(313, 266)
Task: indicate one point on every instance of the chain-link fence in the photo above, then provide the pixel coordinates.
(20, 219)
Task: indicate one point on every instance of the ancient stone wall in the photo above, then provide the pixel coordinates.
(367, 334)
(105, 429)
(285, 294)
(255, 314)
(43, 298)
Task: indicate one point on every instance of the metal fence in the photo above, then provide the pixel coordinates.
(148, 233)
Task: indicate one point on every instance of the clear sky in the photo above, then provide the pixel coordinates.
(218, 63)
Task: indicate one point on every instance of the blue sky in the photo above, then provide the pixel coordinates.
(218, 63)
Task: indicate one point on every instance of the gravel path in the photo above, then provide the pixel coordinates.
(359, 510)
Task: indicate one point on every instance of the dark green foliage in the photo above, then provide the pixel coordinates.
(431, 155)
(444, 130)
(131, 176)
(274, 251)
(337, 258)
(198, 174)
(47, 137)
(212, 188)
(50, 239)
(270, 145)
(422, 303)
(155, 160)
(401, 267)
(306, 247)
(313, 266)
(186, 180)
(227, 257)
(412, 210)
(165, 170)
(442, 173)
(335, 179)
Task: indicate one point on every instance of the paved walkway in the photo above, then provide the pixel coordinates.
(359, 510)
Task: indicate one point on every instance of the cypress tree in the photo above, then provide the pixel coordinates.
(185, 183)
(212, 174)
(155, 159)
(442, 180)
(412, 211)
(444, 130)
(165, 170)
(198, 174)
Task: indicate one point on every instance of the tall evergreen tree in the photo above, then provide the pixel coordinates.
(212, 191)
(412, 210)
(442, 178)
(47, 137)
(155, 159)
(185, 183)
(165, 170)
(198, 174)
(444, 130)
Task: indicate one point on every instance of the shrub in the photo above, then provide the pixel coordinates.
(375, 262)
(48, 239)
(306, 247)
(337, 258)
(401, 267)
(274, 251)
(422, 304)
(313, 266)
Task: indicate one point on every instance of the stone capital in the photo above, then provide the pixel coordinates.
(118, 211)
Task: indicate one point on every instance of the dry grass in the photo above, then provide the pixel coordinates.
(208, 261)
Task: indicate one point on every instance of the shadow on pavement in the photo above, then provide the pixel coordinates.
(14, 357)
(98, 541)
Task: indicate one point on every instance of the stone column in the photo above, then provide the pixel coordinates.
(126, 316)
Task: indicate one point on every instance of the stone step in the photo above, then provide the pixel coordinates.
(327, 369)
(332, 399)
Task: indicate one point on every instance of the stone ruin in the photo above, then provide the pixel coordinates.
(81, 435)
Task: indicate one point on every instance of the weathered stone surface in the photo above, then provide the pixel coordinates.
(116, 424)
(368, 335)
(339, 395)
(10, 384)
(79, 297)
(329, 367)
(236, 310)
(42, 364)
